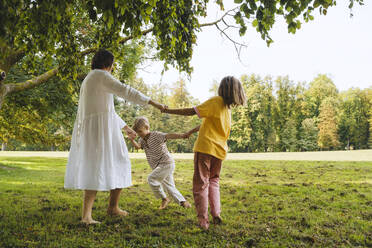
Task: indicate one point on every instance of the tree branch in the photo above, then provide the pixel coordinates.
(219, 20)
(15, 87)
(122, 41)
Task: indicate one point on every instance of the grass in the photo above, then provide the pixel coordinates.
(264, 204)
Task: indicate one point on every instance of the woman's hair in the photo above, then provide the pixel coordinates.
(102, 59)
(140, 122)
(232, 92)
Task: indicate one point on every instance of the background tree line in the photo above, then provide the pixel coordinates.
(280, 115)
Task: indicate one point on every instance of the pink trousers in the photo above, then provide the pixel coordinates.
(206, 185)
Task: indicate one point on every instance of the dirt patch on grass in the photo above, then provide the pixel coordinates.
(6, 167)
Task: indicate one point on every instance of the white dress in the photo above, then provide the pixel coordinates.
(98, 158)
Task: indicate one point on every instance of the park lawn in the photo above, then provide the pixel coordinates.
(264, 204)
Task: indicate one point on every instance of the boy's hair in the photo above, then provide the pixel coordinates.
(232, 92)
(102, 59)
(140, 122)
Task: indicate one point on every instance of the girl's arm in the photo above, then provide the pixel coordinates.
(135, 144)
(169, 136)
(185, 111)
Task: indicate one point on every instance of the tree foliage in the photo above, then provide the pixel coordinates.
(67, 31)
(328, 136)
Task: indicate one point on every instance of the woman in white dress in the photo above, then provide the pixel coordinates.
(98, 158)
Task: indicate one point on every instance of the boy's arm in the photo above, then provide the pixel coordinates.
(194, 130)
(184, 111)
(182, 135)
(135, 144)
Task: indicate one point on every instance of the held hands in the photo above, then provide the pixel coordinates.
(162, 107)
(130, 133)
(157, 105)
(165, 108)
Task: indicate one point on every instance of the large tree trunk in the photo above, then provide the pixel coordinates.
(3, 146)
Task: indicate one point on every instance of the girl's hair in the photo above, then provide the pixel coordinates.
(140, 122)
(232, 92)
(102, 59)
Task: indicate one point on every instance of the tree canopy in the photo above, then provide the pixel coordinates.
(65, 32)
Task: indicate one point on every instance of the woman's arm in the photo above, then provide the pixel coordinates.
(130, 133)
(185, 111)
(135, 144)
(112, 85)
(157, 105)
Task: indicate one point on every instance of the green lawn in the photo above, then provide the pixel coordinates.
(264, 204)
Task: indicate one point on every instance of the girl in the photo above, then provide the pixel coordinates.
(98, 158)
(211, 146)
(160, 161)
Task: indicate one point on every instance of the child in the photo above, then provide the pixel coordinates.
(98, 158)
(159, 160)
(211, 146)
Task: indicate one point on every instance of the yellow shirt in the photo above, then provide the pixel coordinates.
(215, 128)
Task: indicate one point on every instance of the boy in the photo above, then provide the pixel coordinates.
(160, 161)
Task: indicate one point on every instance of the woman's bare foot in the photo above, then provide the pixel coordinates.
(204, 225)
(117, 212)
(164, 203)
(186, 204)
(90, 221)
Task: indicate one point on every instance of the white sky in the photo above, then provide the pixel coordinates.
(335, 44)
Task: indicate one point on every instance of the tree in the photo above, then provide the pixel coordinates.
(284, 111)
(288, 136)
(353, 118)
(370, 130)
(320, 88)
(42, 118)
(327, 136)
(68, 31)
(253, 128)
(308, 135)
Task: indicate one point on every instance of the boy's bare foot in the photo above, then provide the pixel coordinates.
(217, 220)
(164, 203)
(90, 221)
(186, 204)
(117, 212)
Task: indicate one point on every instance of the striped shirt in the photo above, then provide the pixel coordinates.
(156, 149)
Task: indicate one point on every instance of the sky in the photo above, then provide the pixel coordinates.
(336, 44)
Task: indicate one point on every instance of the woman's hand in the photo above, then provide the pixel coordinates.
(130, 133)
(164, 110)
(157, 105)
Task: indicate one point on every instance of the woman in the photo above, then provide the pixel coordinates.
(98, 158)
